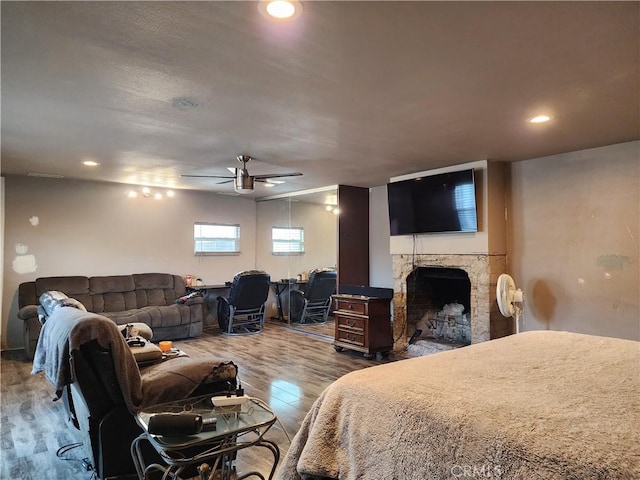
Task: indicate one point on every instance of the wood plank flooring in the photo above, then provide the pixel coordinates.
(285, 367)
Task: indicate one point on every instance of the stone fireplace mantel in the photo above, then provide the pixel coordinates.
(483, 271)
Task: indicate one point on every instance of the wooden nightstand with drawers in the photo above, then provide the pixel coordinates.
(363, 324)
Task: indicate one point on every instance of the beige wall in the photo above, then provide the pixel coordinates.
(380, 263)
(573, 240)
(93, 228)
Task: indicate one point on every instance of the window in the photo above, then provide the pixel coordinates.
(216, 239)
(287, 241)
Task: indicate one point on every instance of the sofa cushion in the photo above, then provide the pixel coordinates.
(154, 289)
(111, 284)
(114, 293)
(154, 316)
(153, 281)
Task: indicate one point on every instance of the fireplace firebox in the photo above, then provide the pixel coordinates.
(439, 303)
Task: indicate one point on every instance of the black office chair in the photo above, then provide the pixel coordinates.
(314, 304)
(244, 311)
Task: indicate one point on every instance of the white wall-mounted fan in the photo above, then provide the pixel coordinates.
(242, 181)
(510, 299)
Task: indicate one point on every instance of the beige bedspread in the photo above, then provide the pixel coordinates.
(538, 405)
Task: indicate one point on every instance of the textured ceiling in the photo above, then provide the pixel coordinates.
(347, 93)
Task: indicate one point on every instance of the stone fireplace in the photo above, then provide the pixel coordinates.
(430, 291)
(439, 303)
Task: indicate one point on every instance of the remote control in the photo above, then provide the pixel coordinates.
(224, 401)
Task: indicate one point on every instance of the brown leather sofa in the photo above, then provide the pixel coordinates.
(148, 298)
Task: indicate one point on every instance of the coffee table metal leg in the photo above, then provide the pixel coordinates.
(275, 451)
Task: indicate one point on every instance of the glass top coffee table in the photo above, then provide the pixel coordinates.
(225, 431)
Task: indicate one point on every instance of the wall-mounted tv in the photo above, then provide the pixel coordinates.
(444, 202)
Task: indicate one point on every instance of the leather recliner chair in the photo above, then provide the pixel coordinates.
(313, 305)
(244, 310)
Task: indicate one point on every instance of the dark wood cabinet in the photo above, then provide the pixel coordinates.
(362, 324)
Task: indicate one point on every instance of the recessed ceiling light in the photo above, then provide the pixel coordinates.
(269, 184)
(540, 119)
(280, 9)
(170, 193)
(90, 163)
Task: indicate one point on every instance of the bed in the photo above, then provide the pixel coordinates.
(537, 405)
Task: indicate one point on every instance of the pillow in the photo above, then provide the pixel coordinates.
(136, 330)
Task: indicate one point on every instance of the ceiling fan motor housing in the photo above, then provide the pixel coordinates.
(243, 183)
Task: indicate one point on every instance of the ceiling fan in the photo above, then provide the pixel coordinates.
(242, 181)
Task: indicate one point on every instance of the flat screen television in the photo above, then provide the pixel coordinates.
(440, 203)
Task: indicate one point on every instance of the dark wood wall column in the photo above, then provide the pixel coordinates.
(353, 235)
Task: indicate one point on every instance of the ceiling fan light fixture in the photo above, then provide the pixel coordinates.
(243, 183)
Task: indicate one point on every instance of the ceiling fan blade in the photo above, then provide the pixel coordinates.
(276, 175)
(207, 176)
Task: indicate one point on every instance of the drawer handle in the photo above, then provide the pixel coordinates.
(350, 307)
(351, 338)
(351, 323)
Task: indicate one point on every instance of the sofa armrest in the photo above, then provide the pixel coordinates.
(27, 312)
(195, 301)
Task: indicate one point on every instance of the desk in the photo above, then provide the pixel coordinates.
(204, 288)
(210, 293)
(281, 287)
(236, 428)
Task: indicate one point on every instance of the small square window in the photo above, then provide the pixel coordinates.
(216, 239)
(287, 241)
